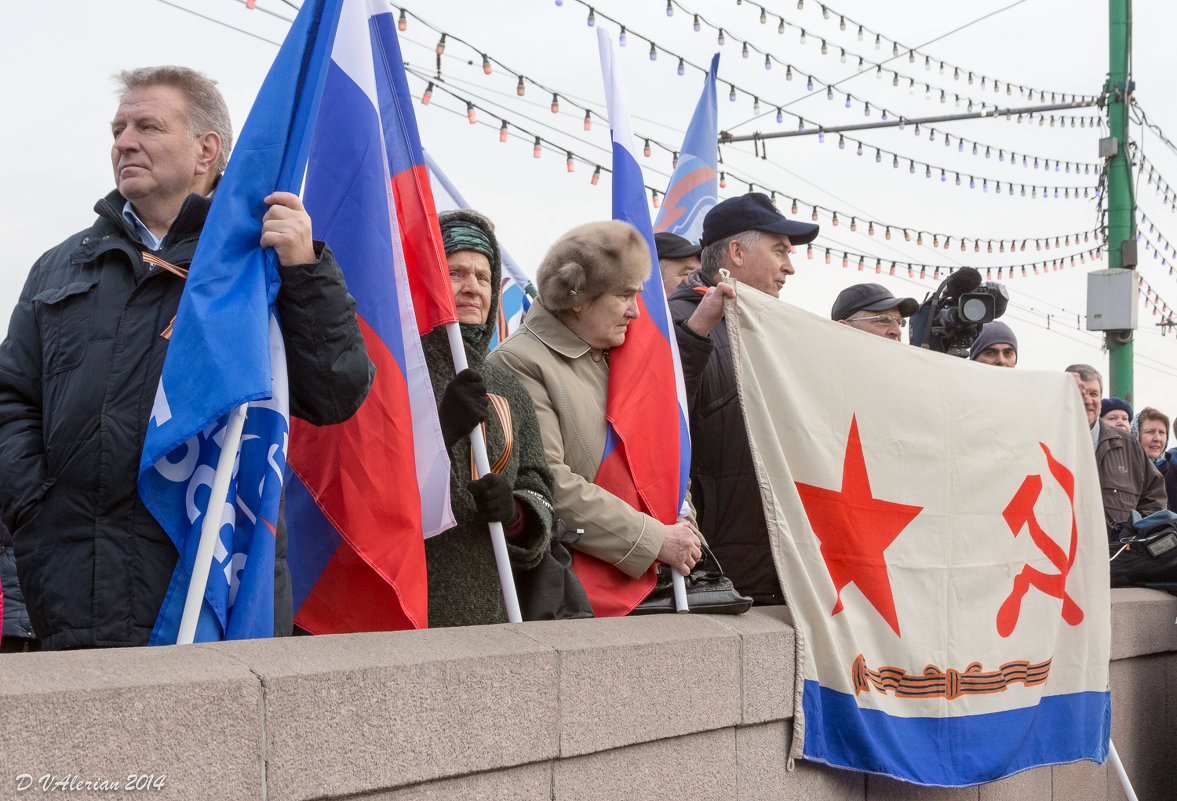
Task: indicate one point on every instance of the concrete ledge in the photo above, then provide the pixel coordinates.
(675, 705)
(633, 680)
(354, 713)
(1143, 622)
(114, 715)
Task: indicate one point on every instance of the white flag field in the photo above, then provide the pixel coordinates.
(938, 529)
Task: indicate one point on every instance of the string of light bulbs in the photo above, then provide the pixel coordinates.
(1153, 300)
(897, 48)
(1154, 240)
(894, 266)
(834, 216)
(626, 32)
(864, 62)
(962, 143)
(1154, 177)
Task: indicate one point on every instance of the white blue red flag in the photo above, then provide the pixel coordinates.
(694, 185)
(226, 349)
(517, 289)
(369, 490)
(937, 526)
(648, 451)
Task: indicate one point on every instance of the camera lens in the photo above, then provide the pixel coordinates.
(974, 310)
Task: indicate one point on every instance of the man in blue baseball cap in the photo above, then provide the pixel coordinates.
(747, 236)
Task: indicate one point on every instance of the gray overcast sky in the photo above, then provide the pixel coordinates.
(60, 57)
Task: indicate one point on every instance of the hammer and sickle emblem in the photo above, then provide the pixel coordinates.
(1020, 512)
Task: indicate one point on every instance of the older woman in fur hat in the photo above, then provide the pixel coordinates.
(463, 578)
(588, 285)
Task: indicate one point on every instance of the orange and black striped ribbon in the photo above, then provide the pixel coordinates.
(151, 258)
(503, 410)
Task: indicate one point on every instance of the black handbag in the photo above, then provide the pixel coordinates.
(551, 590)
(1143, 550)
(709, 591)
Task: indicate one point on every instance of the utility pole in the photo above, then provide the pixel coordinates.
(1121, 230)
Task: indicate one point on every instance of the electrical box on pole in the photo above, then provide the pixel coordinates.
(1111, 300)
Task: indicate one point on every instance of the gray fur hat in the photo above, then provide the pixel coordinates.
(591, 260)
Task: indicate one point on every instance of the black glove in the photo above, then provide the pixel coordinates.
(494, 499)
(463, 406)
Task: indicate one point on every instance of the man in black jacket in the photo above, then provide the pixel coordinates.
(747, 236)
(85, 348)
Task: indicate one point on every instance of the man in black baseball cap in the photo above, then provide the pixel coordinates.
(676, 258)
(872, 308)
(749, 237)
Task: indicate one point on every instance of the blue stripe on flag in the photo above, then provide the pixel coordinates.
(954, 751)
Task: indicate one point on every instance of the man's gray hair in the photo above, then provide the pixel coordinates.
(1086, 373)
(714, 255)
(206, 107)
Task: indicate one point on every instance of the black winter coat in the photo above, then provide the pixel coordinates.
(78, 376)
(724, 489)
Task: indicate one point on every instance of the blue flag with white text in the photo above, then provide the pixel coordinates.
(692, 190)
(226, 349)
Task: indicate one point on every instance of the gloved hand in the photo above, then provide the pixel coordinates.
(463, 406)
(494, 499)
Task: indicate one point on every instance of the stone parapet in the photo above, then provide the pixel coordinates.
(677, 706)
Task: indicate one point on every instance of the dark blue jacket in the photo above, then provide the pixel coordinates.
(78, 376)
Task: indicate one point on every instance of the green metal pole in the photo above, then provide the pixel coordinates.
(1121, 203)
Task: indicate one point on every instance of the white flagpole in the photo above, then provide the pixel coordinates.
(478, 447)
(210, 529)
(678, 580)
(1123, 774)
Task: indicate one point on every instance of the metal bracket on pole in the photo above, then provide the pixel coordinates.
(726, 137)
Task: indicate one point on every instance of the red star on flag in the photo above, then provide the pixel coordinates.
(854, 529)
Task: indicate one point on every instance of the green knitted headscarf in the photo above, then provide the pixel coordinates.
(464, 235)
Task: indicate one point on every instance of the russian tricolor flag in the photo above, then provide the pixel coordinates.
(648, 451)
(368, 491)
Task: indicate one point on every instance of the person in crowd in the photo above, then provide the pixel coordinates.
(1116, 412)
(588, 295)
(747, 236)
(16, 633)
(872, 308)
(1127, 477)
(676, 258)
(996, 345)
(1151, 427)
(85, 348)
(464, 586)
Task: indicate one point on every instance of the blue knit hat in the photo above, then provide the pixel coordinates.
(1111, 404)
(994, 333)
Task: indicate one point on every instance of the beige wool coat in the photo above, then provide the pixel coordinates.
(568, 381)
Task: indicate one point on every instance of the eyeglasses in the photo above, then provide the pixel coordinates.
(882, 320)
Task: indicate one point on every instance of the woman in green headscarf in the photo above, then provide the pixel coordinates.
(464, 584)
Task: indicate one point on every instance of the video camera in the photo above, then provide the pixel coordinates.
(950, 320)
